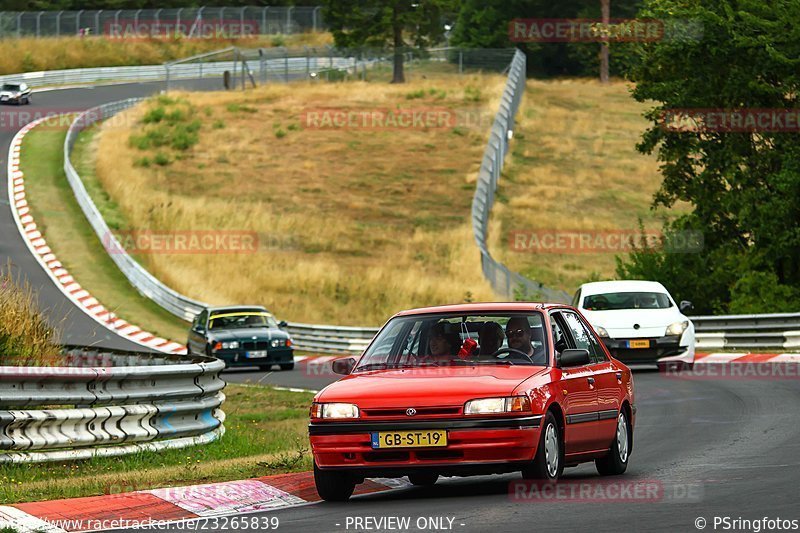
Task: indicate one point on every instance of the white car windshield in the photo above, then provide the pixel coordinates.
(457, 339)
(10, 87)
(614, 301)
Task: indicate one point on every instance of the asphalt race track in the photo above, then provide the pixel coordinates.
(78, 328)
(712, 447)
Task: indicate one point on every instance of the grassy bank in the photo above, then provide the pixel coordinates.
(70, 236)
(30, 54)
(353, 223)
(266, 434)
(26, 339)
(574, 166)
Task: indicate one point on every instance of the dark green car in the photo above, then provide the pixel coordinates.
(242, 336)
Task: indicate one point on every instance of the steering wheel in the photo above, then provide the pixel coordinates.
(511, 351)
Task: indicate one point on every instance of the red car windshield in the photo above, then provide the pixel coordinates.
(457, 339)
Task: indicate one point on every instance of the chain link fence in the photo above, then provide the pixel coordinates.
(198, 22)
(504, 281)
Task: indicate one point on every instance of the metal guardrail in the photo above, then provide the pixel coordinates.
(748, 332)
(109, 403)
(197, 22)
(503, 280)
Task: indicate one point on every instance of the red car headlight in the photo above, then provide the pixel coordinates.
(507, 404)
(334, 410)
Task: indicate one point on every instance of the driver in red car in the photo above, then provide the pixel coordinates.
(518, 333)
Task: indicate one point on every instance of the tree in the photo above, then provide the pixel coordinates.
(743, 186)
(382, 23)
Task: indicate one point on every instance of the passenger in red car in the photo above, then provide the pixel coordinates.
(490, 338)
(442, 345)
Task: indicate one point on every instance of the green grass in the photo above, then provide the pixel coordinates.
(266, 434)
(72, 239)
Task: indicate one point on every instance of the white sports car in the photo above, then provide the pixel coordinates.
(15, 93)
(638, 321)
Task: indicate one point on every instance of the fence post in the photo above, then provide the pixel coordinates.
(38, 24)
(461, 61)
(19, 24)
(314, 18)
(289, 20)
(286, 63)
(97, 22)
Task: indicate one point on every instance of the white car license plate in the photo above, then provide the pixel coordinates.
(257, 354)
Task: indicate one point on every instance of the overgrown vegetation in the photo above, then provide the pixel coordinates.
(743, 186)
(353, 223)
(29, 54)
(167, 124)
(26, 339)
(266, 434)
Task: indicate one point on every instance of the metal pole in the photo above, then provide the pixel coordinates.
(39, 24)
(286, 63)
(58, 23)
(262, 66)
(264, 21)
(289, 20)
(241, 22)
(158, 20)
(461, 61)
(97, 22)
(315, 18)
(19, 25)
(167, 77)
(308, 61)
(78, 21)
(178, 22)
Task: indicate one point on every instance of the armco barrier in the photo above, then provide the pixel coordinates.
(124, 402)
(504, 281)
(748, 332)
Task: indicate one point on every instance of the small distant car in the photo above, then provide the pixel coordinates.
(241, 336)
(473, 389)
(639, 321)
(15, 93)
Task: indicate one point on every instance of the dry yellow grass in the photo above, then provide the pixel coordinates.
(26, 339)
(574, 166)
(30, 54)
(362, 222)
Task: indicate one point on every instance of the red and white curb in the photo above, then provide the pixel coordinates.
(235, 498)
(52, 266)
(726, 358)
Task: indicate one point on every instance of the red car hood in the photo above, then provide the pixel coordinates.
(420, 387)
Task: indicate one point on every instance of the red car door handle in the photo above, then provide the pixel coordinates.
(619, 376)
(591, 381)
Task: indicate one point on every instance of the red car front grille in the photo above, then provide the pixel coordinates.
(398, 412)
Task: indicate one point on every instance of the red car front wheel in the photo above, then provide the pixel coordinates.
(333, 486)
(548, 463)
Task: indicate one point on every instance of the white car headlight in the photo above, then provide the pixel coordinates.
(601, 331)
(334, 410)
(233, 345)
(276, 342)
(677, 328)
(508, 404)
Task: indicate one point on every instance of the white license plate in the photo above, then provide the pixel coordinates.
(257, 354)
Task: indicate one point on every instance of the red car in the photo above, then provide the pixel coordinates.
(473, 389)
